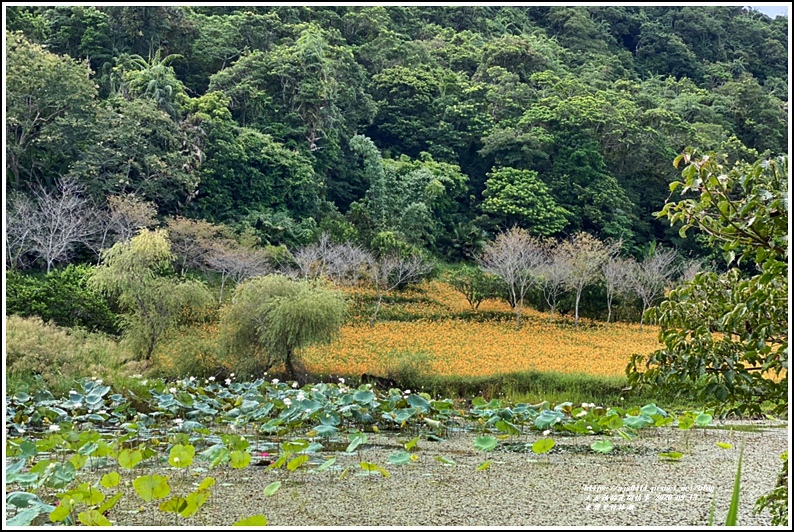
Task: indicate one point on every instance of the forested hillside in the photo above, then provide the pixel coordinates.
(423, 127)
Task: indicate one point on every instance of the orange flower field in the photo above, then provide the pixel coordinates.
(479, 348)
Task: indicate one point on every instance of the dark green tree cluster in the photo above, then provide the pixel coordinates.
(437, 126)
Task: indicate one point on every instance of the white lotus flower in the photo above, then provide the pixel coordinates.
(55, 428)
(546, 432)
(274, 381)
(228, 381)
(295, 384)
(341, 380)
(172, 390)
(287, 401)
(212, 379)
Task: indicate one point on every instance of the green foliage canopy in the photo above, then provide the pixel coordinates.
(726, 335)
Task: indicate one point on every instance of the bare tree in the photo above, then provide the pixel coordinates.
(617, 273)
(19, 218)
(346, 264)
(554, 274)
(60, 220)
(311, 260)
(129, 214)
(649, 277)
(391, 271)
(191, 241)
(124, 218)
(583, 255)
(516, 257)
(236, 262)
(689, 268)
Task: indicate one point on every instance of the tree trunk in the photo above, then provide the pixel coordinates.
(642, 316)
(519, 306)
(576, 313)
(223, 282)
(609, 308)
(288, 365)
(375, 314)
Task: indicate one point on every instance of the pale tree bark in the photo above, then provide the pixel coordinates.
(648, 278)
(517, 258)
(60, 220)
(583, 255)
(391, 271)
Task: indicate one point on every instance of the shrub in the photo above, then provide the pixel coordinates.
(62, 296)
(475, 284)
(44, 356)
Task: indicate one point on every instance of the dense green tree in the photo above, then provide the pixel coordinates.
(62, 296)
(245, 170)
(242, 114)
(155, 79)
(519, 197)
(49, 103)
(139, 148)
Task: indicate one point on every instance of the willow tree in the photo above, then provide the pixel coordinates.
(270, 318)
(134, 272)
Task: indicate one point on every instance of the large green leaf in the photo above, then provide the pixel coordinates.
(181, 456)
(399, 458)
(417, 401)
(296, 462)
(602, 446)
(543, 445)
(547, 418)
(359, 439)
(703, 419)
(151, 487)
(272, 488)
(129, 458)
(26, 516)
(686, 421)
(110, 503)
(507, 427)
(61, 476)
(485, 443)
(240, 459)
(174, 505)
(364, 396)
(195, 500)
(254, 520)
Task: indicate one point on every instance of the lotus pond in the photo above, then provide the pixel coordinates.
(175, 457)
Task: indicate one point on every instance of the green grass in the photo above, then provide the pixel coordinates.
(535, 387)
